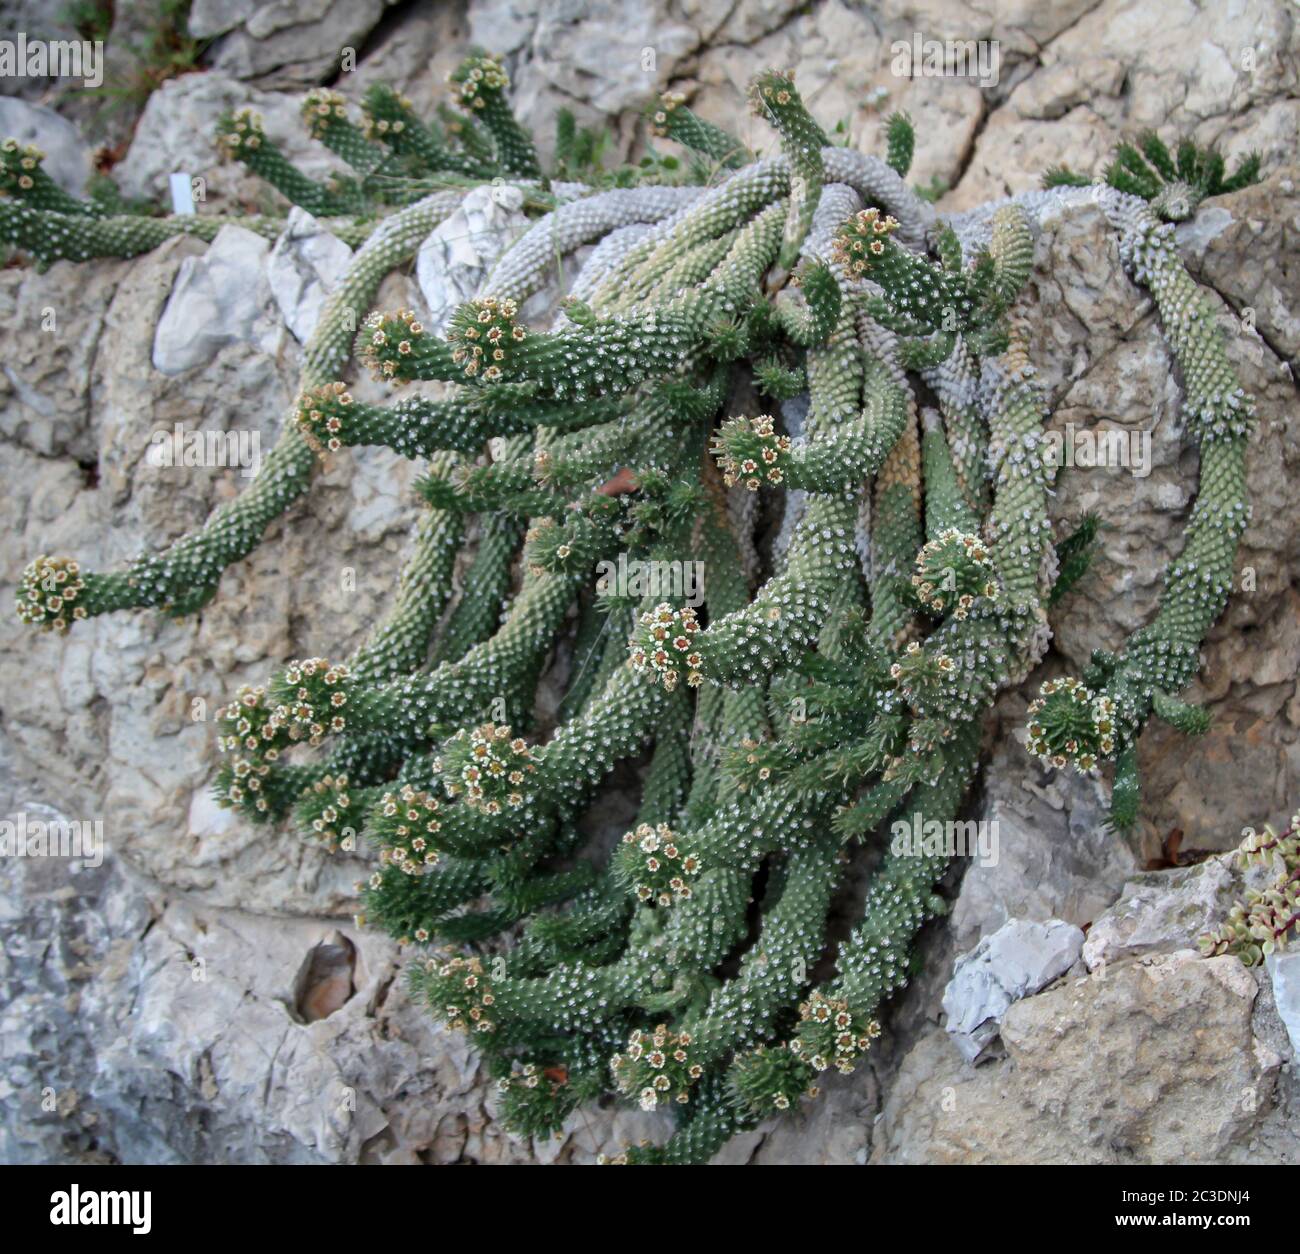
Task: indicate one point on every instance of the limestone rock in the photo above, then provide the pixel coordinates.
(1116, 68)
(1284, 972)
(414, 56)
(304, 265)
(596, 53)
(140, 1027)
(1171, 1035)
(219, 298)
(1155, 1062)
(1167, 910)
(1021, 957)
(53, 324)
(1229, 246)
(287, 43)
(1055, 858)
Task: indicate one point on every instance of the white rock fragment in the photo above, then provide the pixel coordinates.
(1020, 958)
(1167, 910)
(306, 263)
(1284, 971)
(219, 298)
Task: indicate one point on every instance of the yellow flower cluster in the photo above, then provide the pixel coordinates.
(18, 162)
(1067, 723)
(483, 331)
(320, 107)
(487, 767)
(668, 102)
(48, 592)
(388, 334)
(478, 77)
(663, 644)
(749, 451)
(830, 1035)
(656, 1066)
(656, 867)
(861, 239)
(241, 132)
(468, 992)
(317, 414)
(409, 817)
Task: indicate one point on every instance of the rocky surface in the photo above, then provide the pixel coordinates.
(305, 265)
(203, 995)
(1020, 958)
(1284, 974)
(286, 43)
(1162, 910)
(1141, 1052)
(213, 305)
(1055, 858)
(148, 1027)
(1157, 1062)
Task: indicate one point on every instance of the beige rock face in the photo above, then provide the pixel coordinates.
(284, 44)
(127, 737)
(170, 1031)
(52, 324)
(1163, 1057)
(1154, 1062)
(1261, 290)
(1123, 66)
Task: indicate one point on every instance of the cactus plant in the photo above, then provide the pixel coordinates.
(808, 698)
